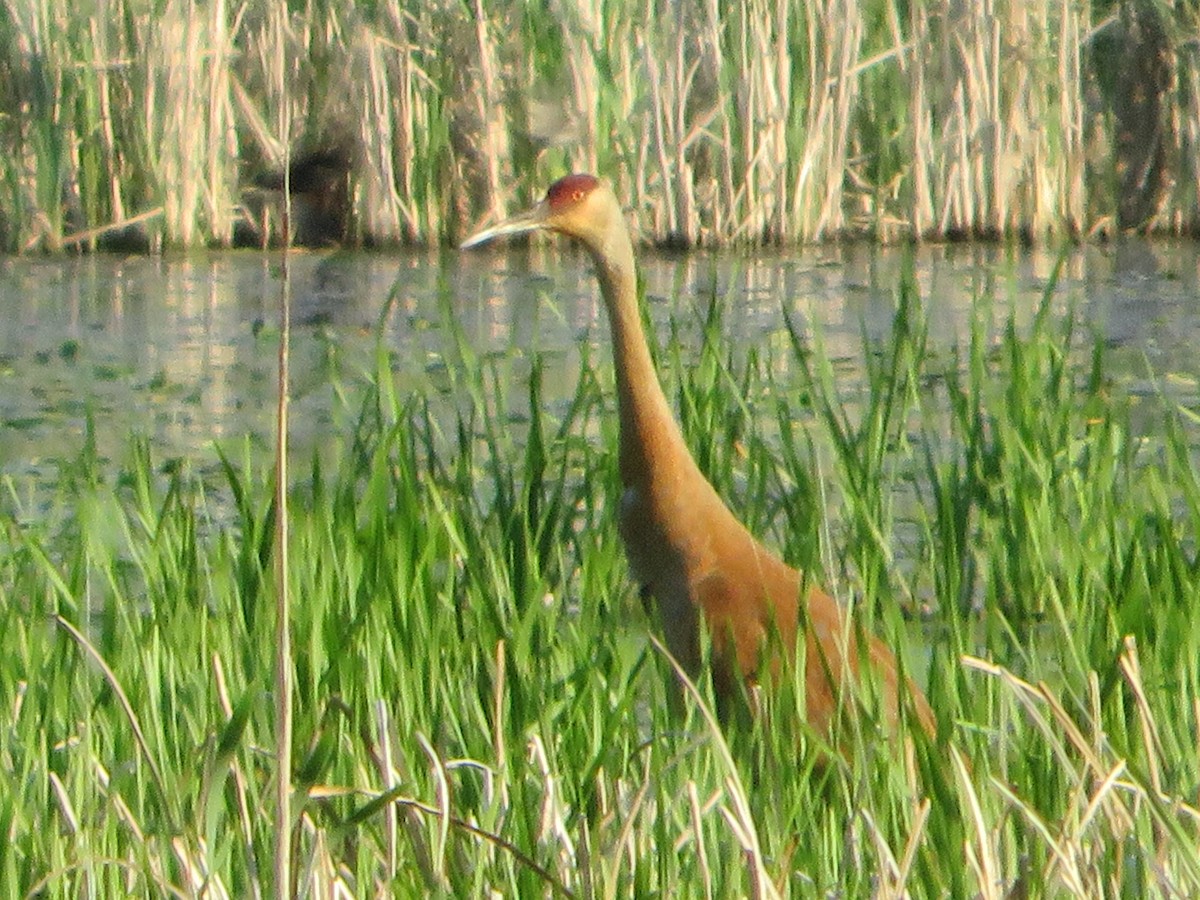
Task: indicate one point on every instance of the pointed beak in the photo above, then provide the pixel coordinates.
(523, 223)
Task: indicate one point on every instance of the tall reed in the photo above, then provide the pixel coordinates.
(747, 122)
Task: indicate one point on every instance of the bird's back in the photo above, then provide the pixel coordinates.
(701, 565)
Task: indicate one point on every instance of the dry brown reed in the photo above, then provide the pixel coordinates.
(723, 123)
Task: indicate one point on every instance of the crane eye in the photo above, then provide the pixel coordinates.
(577, 196)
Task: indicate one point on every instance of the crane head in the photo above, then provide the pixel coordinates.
(579, 206)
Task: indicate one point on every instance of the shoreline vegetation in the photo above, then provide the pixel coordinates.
(479, 712)
(153, 124)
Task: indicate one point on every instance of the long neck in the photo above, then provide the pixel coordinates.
(650, 438)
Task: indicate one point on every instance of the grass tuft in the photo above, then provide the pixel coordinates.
(478, 708)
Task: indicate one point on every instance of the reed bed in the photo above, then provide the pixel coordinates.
(144, 122)
(478, 710)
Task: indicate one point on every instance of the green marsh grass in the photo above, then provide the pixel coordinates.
(478, 707)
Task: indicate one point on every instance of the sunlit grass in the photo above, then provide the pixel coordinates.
(478, 706)
(143, 123)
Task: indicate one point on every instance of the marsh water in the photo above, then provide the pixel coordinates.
(182, 351)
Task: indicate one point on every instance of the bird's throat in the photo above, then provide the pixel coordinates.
(650, 441)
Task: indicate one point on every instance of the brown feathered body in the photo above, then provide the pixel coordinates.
(685, 548)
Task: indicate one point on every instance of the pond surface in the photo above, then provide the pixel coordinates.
(182, 351)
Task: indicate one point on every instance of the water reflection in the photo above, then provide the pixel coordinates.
(182, 350)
